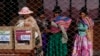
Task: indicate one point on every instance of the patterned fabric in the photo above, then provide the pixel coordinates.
(82, 45)
(55, 46)
(89, 22)
(61, 20)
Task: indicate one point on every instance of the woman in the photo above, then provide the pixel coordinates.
(57, 46)
(28, 21)
(43, 24)
(84, 38)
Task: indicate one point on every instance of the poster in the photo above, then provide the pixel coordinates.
(4, 36)
(23, 35)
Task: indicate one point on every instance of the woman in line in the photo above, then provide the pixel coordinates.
(43, 24)
(83, 44)
(28, 21)
(57, 45)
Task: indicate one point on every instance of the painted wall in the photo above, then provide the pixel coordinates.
(92, 6)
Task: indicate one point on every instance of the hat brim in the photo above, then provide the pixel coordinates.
(25, 13)
(57, 11)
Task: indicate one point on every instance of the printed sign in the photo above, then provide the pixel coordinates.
(23, 35)
(4, 35)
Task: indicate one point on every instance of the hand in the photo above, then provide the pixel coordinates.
(47, 30)
(38, 51)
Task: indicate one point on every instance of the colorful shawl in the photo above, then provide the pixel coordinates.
(63, 21)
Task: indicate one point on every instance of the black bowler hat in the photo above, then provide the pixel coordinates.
(84, 10)
(57, 9)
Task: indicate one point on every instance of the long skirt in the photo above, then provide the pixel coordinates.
(82, 46)
(44, 42)
(55, 46)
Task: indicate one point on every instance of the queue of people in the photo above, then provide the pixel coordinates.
(52, 33)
